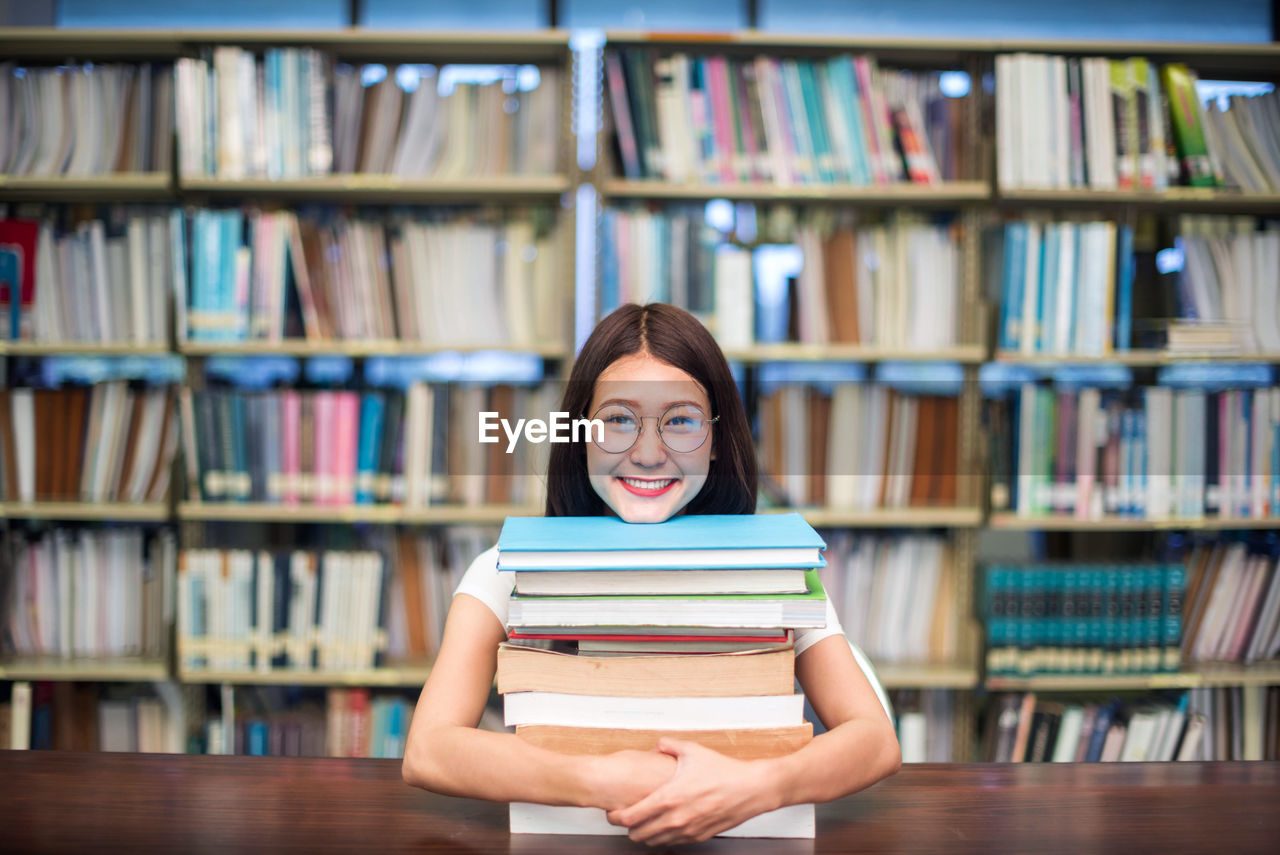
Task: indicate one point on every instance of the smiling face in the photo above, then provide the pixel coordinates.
(648, 483)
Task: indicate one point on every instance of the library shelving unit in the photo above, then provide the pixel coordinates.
(195, 521)
(974, 201)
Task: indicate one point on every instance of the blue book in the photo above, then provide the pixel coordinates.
(687, 542)
(256, 738)
(1049, 285)
(1015, 265)
(11, 286)
(372, 407)
(609, 299)
(1101, 725)
(841, 75)
(1174, 590)
(1124, 288)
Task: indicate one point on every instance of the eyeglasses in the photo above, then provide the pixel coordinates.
(682, 428)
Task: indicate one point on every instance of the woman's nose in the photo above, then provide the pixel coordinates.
(648, 450)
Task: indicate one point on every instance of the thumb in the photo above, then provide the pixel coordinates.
(677, 747)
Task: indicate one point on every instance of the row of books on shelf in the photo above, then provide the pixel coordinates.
(715, 118)
(1092, 619)
(488, 278)
(891, 284)
(86, 119)
(1232, 603)
(104, 280)
(1031, 729)
(895, 596)
(345, 723)
(1225, 723)
(478, 279)
(110, 441)
(858, 446)
(684, 579)
(1109, 124)
(925, 720)
(413, 446)
(240, 610)
(330, 610)
(337, 722)
(291, 113)
(1069, 288)
(63, 716)
(88, 594)
(1154, 453)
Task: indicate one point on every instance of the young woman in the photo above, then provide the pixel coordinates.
(676, 441)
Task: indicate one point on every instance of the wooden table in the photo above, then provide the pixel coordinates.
(65, 802)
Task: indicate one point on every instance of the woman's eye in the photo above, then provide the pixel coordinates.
(620, 421)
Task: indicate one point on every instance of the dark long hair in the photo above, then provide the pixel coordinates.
(679, 339)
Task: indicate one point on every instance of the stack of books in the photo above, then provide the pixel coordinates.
(682, 629)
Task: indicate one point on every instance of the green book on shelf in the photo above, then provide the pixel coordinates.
(1188, 129)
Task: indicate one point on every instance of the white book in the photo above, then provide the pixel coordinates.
(734, 298)
(1268, 623)
(793, 821)
(556, 708)
(1189, 749)
(1064, 750)
(22, 412)
(911, 736)
(1168, 743)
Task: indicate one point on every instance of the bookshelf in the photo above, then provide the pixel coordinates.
(197, 522)
(944, 194)
(406, 677)
(100, 511)
(1013, 522)
(118, 187)
(973, 201)
(86, 670)
(382, 189)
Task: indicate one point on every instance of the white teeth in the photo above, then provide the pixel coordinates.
(647, 485)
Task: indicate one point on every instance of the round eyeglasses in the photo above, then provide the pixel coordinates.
(682, 428)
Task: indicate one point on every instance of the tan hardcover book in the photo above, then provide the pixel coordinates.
(892, 425)
(499, 467)
(1025, 714)
(163, 459)
(75, 440)
(10, 452)
(740, 744)
(715, 675)
(411, 593)
(307, 448)
(1203, 571)
(947, 470)
(923, 472)
(131, 456)
(942, 628)
(819, 426)
(839, 255)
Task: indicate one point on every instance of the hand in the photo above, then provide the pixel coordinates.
(709, 793)
(625, 777)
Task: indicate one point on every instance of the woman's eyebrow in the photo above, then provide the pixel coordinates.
(636, 406)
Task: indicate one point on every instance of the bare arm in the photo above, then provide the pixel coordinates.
(710, 792)
(860, 746)
(446, 753)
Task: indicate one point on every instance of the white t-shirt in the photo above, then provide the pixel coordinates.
(493, 588)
